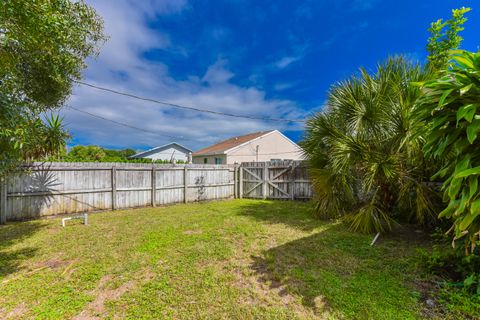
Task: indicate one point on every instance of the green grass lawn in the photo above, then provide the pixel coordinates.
(239, 259)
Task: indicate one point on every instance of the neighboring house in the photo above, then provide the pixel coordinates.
(259, 146)
(170, 152)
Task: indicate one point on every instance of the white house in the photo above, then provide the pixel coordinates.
(172, 152)
(259, 146)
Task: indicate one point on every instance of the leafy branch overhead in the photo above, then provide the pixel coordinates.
(445, 36)
(43, 46)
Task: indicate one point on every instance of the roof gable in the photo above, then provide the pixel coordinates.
(162, 148)
(225, 145)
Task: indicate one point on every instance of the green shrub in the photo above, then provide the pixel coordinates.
(449, 108)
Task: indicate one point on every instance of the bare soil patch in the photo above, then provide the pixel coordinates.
(16, 313)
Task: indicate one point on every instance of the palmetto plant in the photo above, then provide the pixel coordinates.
(365, 153)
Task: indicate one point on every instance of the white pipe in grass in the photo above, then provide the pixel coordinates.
(375, 239)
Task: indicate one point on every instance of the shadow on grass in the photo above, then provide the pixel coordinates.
(10, 235)
(337, 270)
(296, 214)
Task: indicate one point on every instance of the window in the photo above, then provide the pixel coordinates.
(218, 160)
(205, 160)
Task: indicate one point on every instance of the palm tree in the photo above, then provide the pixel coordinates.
(365, 156)
(48, 139)
(55, 135)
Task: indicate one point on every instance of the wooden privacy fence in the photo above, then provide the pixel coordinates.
(59, 188)
(274, 180)
(45, 189)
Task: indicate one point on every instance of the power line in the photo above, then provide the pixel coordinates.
(126, 94)
(160, 133)
(127, 125)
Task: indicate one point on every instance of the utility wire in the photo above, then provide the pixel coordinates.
(126, 124)
(126, 94)
(159, 133)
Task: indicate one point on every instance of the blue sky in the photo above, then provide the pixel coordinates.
(261, 58)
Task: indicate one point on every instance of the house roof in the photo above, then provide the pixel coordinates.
(160, 149)
(225, 145)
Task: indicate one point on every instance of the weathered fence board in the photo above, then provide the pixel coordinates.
(44, 189)
(286, 180)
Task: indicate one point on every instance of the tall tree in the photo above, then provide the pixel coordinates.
(43, 47)
(445, 36)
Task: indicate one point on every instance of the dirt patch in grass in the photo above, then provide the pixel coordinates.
(249, 276)
(96, 308)
(432, 308)
(53, 264)
(16, 313)
(192, 232)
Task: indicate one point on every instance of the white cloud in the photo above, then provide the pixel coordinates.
(284, 85)
(121, 66)
(286, 61)
(218, 73)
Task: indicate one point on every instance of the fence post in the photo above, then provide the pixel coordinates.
(114, 188)
(235, 182)
(185, 184)
(3, 201)
(292, 182)
(154, 186)
(265, 179)
(240, 182)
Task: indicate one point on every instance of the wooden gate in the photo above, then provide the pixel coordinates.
(274, 180)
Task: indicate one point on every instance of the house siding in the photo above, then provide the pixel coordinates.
(210, 159)
(271, 146)
(167, 155)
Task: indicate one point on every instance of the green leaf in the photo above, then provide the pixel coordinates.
(469, 280)
(475, 207)
(439, 121)
(444, 96)
(418, 83)
(466, 221)
(471, 112)
(463, 61)
(467, 111)
(465, 89)
(473, 185)
(467, 172)
(463, 204)
(472, 130)
(454, 188)
(470, 217)
(462, 165)
(448, 211)
(441, 173)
